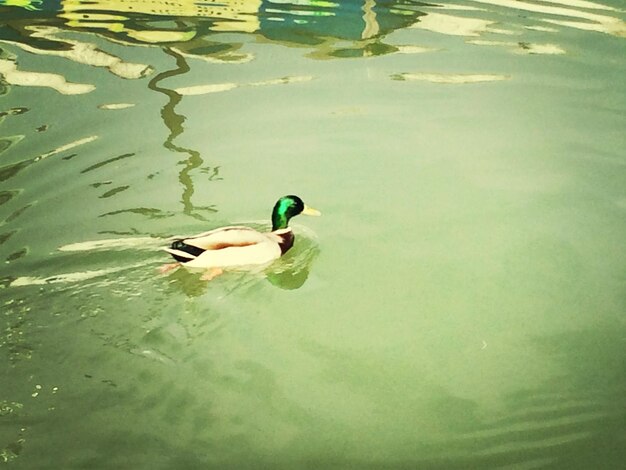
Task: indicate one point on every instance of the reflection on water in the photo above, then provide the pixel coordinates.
(522, 47)
(174, 123)
(328, 29)
(220, 87)
(189, 26)
(592, 21)
(332, 29)
(450, 78)
(292, 270)
(11, 75)
(79, 52)
(12, 169)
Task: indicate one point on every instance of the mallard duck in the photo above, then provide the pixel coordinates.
(237, 246)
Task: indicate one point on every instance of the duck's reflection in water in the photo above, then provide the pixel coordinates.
(292, 271)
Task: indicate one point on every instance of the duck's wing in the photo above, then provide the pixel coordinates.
(190, 248)
(226, 237)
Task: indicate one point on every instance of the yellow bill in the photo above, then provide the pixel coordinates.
(310, 211)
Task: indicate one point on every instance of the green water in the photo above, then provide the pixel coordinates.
(460, 304)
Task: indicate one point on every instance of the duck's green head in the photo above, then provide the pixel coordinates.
(286, 208)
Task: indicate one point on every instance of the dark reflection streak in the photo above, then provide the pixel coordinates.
(106, 162)
(174, 123)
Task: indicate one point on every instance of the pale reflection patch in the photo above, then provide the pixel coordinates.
(543, 29)
(450, 78)
(136, 243)
(414, 49)
(228, 57)
(66, 147)
(206, 89)
(522, 47)
(13, 76)
(219, 87)
(147, 243)
(158, 37)
(456, 7)
(581, 4)
(114, 106)
(615, 28)
(68, 277)
(592, 21)
(453, 25)
(60, 278)
(84, 53)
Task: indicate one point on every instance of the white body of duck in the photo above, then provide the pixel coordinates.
(229, 247)
(237, 246)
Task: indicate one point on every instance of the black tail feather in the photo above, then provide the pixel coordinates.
(182, 246)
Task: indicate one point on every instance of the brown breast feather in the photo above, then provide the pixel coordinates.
(221, 246)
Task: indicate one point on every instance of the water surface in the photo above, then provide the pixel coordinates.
(460, 304)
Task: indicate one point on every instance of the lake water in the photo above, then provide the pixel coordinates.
(460, 304)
